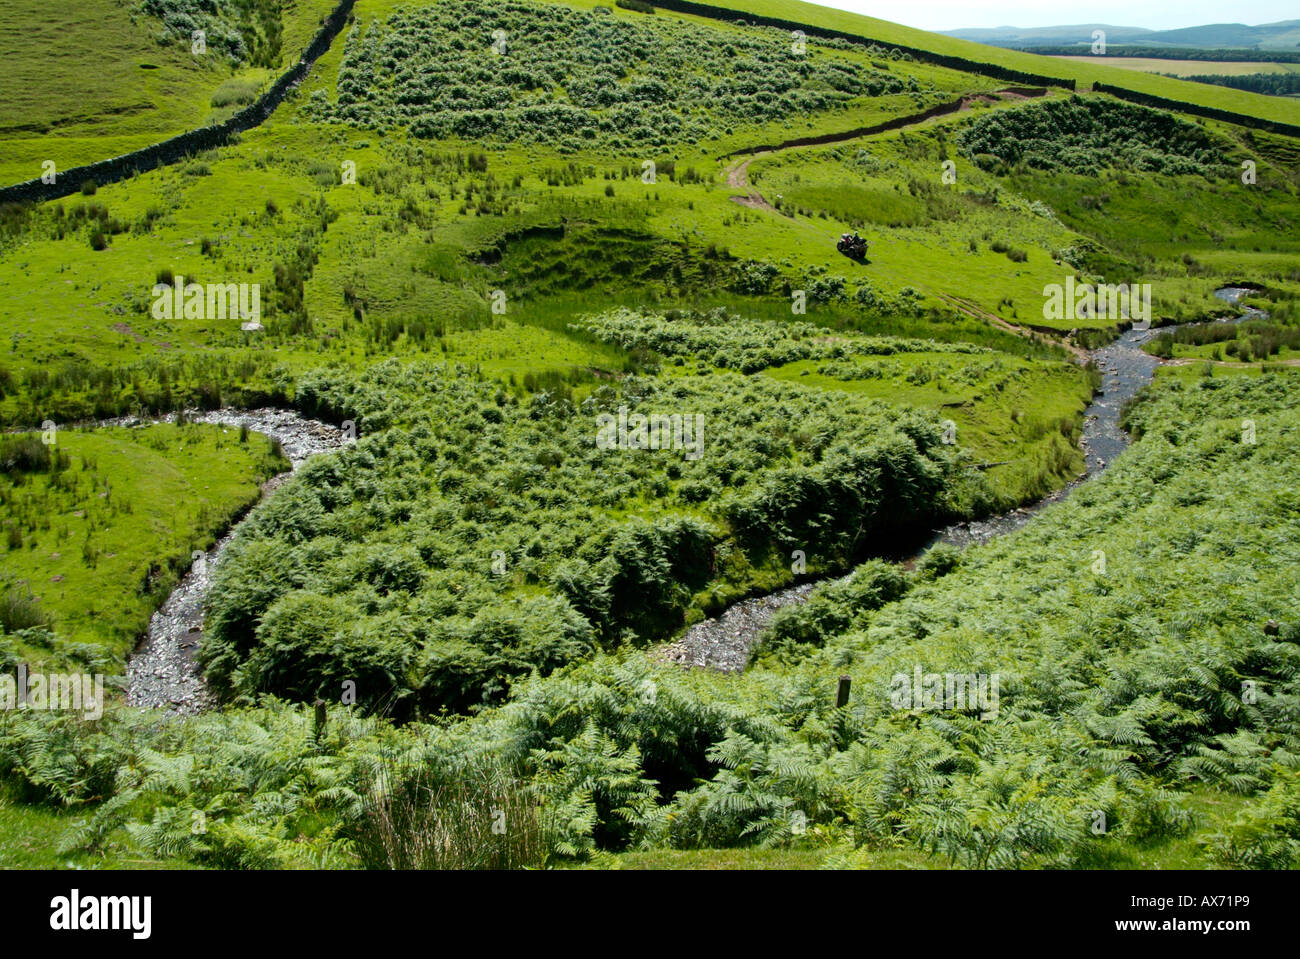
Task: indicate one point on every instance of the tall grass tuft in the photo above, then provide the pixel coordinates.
(19, 609)
(481, 818)
(25, 453)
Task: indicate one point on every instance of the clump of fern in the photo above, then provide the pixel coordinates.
(772, 794)
(58, 758)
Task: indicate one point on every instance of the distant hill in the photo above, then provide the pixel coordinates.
(1050, 36)
(1283, 35)
(1084, 73)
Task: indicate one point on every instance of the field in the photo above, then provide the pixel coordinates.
(98, 524)
(63, 100)
(576, 289)
(1187, 68)
(1085, 73)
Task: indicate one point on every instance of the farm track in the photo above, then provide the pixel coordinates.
(737, 178)
(975, 311)
(737, 175)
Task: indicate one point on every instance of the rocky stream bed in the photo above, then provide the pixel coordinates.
(724, 642)
(164, 672)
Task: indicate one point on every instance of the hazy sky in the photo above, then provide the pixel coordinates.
(1154, 14)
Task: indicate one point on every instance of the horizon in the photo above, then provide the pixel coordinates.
(946, 15)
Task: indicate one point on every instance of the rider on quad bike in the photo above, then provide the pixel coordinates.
(852, 245)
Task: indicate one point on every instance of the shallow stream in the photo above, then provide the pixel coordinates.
(724, 642)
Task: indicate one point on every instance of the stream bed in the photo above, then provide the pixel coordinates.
(724, 642)
(164, 673)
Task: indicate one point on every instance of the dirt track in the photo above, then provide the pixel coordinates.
(737, 174)
(738, 179)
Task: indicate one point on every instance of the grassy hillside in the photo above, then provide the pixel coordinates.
(407, 261)
(99, 525)
(1083, 73)
(1284, 35)
(489, 261)
(111, 80)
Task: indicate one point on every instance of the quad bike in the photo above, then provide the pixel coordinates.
(852, 246)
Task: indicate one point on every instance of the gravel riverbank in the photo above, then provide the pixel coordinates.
(163, 673)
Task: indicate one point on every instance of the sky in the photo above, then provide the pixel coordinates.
(1153, 14)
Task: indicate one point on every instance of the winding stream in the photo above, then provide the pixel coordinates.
(723, 643)
(164, 673)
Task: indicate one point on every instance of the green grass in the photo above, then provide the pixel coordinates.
(1212, 810)
(100, 543)
(1274, 108)
(721, 859)
(921, 236)
(86, 89)
(31, 837)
